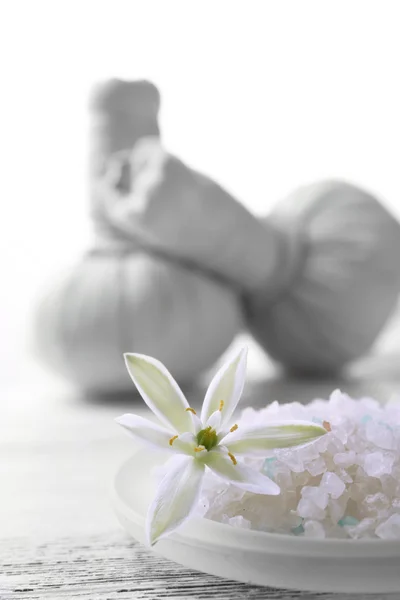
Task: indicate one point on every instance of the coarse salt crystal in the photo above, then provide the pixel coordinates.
(345, 459)
(378, 463)
(335, 445)
(316, 495)
(237, 521)
(373, 504)
(389, 529)
(316, 467)
(332, 484)
(346, 484)
(313, 529)
(307, 509)
(365, 528)
(348, 521)
(344, 475)
(380, 434)
(337, 508)
(292, 459)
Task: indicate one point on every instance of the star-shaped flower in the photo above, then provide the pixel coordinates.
(209, 441)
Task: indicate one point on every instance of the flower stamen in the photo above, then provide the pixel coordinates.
(208, 438)
(234, 427)
(199, 448)
(171, 441)
(191, 410)
(221, 405)
(327, 425)
(233, 459)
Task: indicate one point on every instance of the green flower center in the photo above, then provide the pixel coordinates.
(208, 438)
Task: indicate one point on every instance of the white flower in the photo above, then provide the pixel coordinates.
(209, 441)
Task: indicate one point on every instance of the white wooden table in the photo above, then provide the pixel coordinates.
(58, 454)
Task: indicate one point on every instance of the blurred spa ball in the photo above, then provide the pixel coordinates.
(110, 304)
(340, 251)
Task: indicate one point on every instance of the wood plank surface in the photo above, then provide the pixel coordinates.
(59, 451)
(112, 567)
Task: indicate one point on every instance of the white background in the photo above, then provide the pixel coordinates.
(263, 95)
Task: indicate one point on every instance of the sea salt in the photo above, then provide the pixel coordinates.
(346, 484)
(364, 529)
(317, 466)
(378, 463)
(380, 434)
(307, 508)
(292, 460)
(238, 521)
(332, 484)
(345, 459)
(390, 529)
(316, 495)
(337, 508)
(375, 504)
(313, 529)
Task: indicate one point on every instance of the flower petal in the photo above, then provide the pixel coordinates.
(185, 443)
(146, 431)
(214, 420)
(197, 424)
(226, 386)
(256, 440)
(176, 498)
(240, 475)
(160, 391)
(154, 435)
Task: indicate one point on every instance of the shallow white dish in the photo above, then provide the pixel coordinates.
(256, 557)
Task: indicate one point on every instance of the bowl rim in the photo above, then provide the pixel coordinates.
(201, 531)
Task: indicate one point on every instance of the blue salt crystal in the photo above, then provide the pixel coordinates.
(268, 467)
(366, 418)
(298, 530)
(351, 521)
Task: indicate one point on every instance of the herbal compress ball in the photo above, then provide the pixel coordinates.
(179, 265)
(121, 296)
(340, 255)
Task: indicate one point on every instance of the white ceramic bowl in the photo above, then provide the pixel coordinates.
(253, 556)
